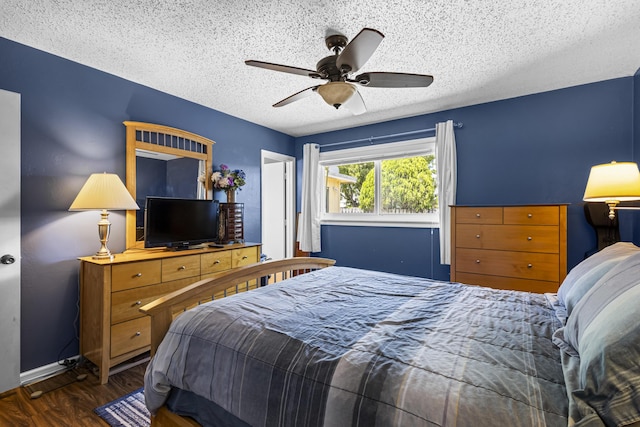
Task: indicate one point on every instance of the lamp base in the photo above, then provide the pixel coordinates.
(101, 255)
(104, 226)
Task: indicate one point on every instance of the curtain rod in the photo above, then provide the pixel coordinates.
(374, 138)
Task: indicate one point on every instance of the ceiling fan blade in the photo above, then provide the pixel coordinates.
(359, 50)
(283, 68)
(355, 104)
(296, 96)
(393, 80)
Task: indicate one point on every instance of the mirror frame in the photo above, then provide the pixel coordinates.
(172, 140)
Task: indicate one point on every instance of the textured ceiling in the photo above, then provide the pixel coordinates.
(477, 51)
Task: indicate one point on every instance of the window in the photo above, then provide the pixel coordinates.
(386, 184)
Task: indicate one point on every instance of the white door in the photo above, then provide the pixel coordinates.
(274, 233)
(278, 205)
(9, 240)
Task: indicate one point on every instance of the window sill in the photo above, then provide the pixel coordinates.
(378, 223)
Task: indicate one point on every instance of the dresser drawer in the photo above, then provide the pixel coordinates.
(135, 274)
(534, 266)
(129, 336)
(243, 256)
(509, 283)
(522, 238)
(214, 262)
(533, 215)
(180, 267)
(479, 215)
(125, 305)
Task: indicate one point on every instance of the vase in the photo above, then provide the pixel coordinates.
(231, 196)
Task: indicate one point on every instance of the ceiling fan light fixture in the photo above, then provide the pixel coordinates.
(336, 93)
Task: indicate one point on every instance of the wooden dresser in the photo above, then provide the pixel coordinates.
(509, 247)
(112, 330)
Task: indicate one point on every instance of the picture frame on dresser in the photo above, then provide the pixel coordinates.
(516, 247)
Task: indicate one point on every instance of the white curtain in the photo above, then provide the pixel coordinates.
(309, 222)
(447, 183)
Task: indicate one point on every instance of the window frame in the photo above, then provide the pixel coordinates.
(374, 153)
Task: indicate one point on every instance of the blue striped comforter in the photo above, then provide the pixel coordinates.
(342, 346)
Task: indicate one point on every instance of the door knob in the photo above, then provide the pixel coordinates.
(7, 259)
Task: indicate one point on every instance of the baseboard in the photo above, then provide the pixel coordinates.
(43, 372)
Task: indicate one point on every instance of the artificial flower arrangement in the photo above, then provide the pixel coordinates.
(227, 179)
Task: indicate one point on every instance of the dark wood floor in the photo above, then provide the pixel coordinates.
(70, 405)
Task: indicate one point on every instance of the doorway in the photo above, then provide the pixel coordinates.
(278, 204)
(10, 241)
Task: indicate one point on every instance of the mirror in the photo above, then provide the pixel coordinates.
(163, 161)
(164, 175)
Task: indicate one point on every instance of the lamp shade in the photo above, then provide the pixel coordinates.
(103, 191)
(336, 93)
(613, 182)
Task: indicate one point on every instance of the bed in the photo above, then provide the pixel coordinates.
(339, 346)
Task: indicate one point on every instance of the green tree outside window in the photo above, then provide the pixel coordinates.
(408, 186)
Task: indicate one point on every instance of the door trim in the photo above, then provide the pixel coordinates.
(290, 195)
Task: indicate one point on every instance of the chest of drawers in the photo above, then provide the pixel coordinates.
(510, 247)
(112, 330)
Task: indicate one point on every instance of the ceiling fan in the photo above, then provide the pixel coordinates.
(346, 60)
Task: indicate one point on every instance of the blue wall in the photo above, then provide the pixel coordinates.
(531, 149)
(71, 127)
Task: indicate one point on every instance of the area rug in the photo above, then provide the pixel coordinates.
(126, 411)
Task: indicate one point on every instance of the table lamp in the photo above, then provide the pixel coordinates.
(613, 183)
(103, 191)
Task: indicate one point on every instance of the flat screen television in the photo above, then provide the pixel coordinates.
(179, 223)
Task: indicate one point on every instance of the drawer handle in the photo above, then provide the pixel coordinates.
(216, 261)
(138, 275)
(477, 261)
(529, 265)
(529, 215)
(477, 236)
(138, 333)
(182, 267)
(477, 215)
(138, 302)
(529, 238)
(245, 257)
